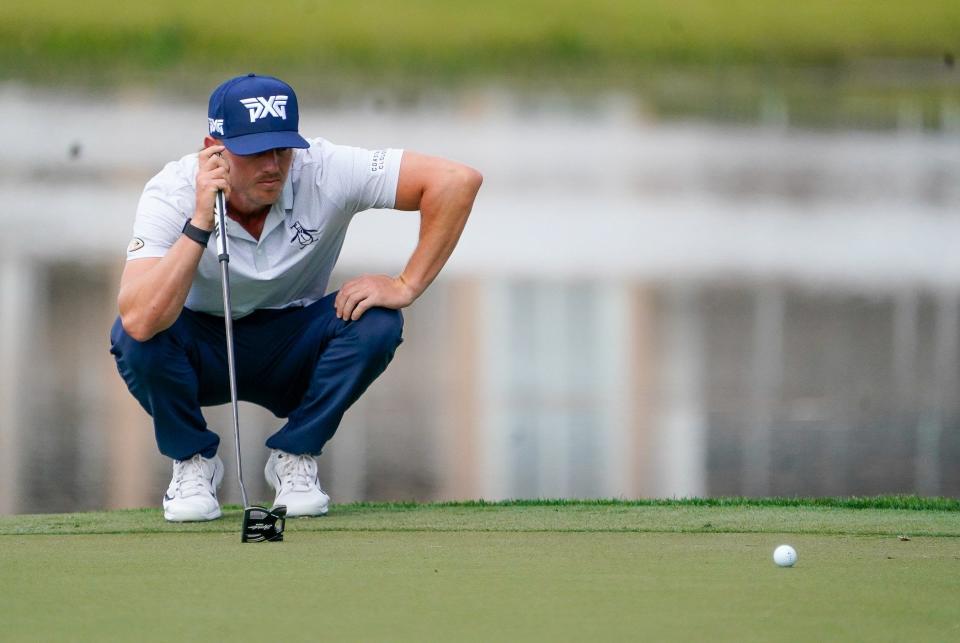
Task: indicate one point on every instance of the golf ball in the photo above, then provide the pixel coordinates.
(785, 556)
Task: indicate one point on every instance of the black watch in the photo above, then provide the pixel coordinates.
(193, 232)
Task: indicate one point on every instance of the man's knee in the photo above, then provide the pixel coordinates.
(380, 331)
(140, 359)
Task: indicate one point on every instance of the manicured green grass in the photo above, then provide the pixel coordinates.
(881, 515)
(521, 570)
(444, 38)
(477, 586)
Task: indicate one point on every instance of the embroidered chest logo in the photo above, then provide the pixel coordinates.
(303, 236)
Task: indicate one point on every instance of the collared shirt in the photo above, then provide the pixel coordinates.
(290, 264)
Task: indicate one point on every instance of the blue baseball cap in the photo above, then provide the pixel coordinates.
(250, 114)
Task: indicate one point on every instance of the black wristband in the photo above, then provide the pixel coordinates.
(193, 232)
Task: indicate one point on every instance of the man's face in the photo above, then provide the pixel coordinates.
(256, 180)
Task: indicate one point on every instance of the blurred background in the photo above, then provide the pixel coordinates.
(715, 252)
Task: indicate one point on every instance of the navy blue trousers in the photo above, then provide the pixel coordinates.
(303, 364)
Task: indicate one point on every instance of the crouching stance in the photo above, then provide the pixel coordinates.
(303, 355)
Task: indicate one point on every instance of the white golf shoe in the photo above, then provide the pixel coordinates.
(192, 494)
(294, 477)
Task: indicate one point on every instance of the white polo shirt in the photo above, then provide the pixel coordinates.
(291, 263)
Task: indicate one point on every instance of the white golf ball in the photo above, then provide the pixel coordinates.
(785, 556)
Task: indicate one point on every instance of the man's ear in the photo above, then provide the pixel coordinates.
(209, 140)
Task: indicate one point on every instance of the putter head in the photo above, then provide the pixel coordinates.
(262, 525)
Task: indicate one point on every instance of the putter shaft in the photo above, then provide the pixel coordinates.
(223, 256)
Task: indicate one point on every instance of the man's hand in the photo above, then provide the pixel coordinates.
(213, 174)
(360, 294)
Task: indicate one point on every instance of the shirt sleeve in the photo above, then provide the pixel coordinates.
(160, 215)
(361, 178)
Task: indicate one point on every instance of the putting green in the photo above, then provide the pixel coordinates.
(567, 571)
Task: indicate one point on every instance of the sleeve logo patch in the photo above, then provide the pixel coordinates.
(377, 160)
(135, 244)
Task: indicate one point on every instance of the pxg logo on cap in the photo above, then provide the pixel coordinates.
(250, 114)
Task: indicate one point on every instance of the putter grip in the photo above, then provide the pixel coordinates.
(220, 225)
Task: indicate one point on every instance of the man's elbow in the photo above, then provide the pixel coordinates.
(466, 181)
(136, 327)
(140, 326)
(472, 179)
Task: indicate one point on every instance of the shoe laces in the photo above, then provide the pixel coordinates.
(297, 472)
(189, 478)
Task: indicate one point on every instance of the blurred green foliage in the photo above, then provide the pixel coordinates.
(451, 39)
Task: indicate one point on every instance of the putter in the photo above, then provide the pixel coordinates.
(259, 523)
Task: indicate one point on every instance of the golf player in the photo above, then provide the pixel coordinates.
(301, 353)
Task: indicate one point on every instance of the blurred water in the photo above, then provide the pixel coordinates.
(636, 307)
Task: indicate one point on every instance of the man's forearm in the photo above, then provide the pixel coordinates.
(443, 215)
(443, 191)
(151, 300)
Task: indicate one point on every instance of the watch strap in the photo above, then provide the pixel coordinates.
(193, 232)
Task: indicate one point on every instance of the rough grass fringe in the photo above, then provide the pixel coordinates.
(917, 503)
